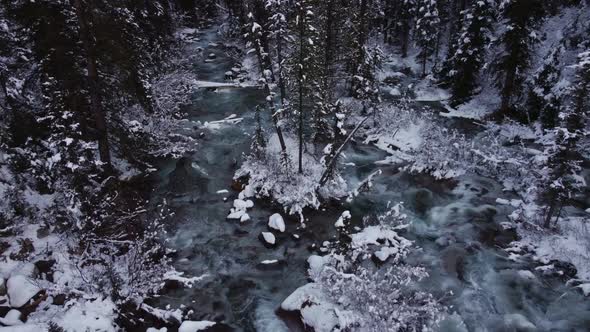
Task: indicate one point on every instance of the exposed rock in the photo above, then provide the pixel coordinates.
(59, 299)
(453, 261)
(45, 268)
(564, 269)
(271, 265)
(26, 248)
(2, 287)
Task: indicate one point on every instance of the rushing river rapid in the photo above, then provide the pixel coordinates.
(455, 223)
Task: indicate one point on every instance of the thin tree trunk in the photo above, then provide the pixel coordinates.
(507, 91)
(95, 101)
(282, 87)
(301, 60)
(329, 168)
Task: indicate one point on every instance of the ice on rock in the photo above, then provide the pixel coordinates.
(344, 217)
(194, 326)
(153, 329)
(276, 222)
(244, 217)
(20, 290)
(11, 318)
(269, 237)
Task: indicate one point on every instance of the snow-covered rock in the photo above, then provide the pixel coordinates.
(276, 222)
(241, 204)
(97, 315)
(519, 322)
(194, 326)
(585, 289)
(344, 217)
(316, 264)
(25, 328)
(153, 329)
(11, 318)
(385, 252)
(244, 217)
(269, 237)
(20, 290)
(314, 307)
(236, 214)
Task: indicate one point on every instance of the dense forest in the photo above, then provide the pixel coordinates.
(294, 165)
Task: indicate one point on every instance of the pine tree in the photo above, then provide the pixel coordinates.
(467, 54)
(543, 100)
(564, 180)
(427, 25)
(520, 18)
(407, 10)
(305, 67)
(256, 37)
(258, 140)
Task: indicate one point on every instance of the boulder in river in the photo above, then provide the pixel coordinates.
(268, 239)
(185, 177)
(453, 261)
(276, 222)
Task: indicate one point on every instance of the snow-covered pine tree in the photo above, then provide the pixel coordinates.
(519, 17)
(467, 53)
(407, 10)
(304, 68)
(426, 30)
(564, 179)
(258, 140)
(543, 101)
(257, 38)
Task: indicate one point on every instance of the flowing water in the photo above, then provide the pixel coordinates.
(455, 223)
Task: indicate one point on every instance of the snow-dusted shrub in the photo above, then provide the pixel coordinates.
(376, 298)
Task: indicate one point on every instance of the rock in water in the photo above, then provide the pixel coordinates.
(194, 326)
(185, 177)
(269, 238)
(20, 290)
(276, 222)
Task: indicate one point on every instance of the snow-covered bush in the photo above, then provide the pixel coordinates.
(362, 296)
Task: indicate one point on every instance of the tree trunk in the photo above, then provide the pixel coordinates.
(328, 44)
(301, 61)
(405, 37)
(507, 91)
(282, 86)
(94, 88)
